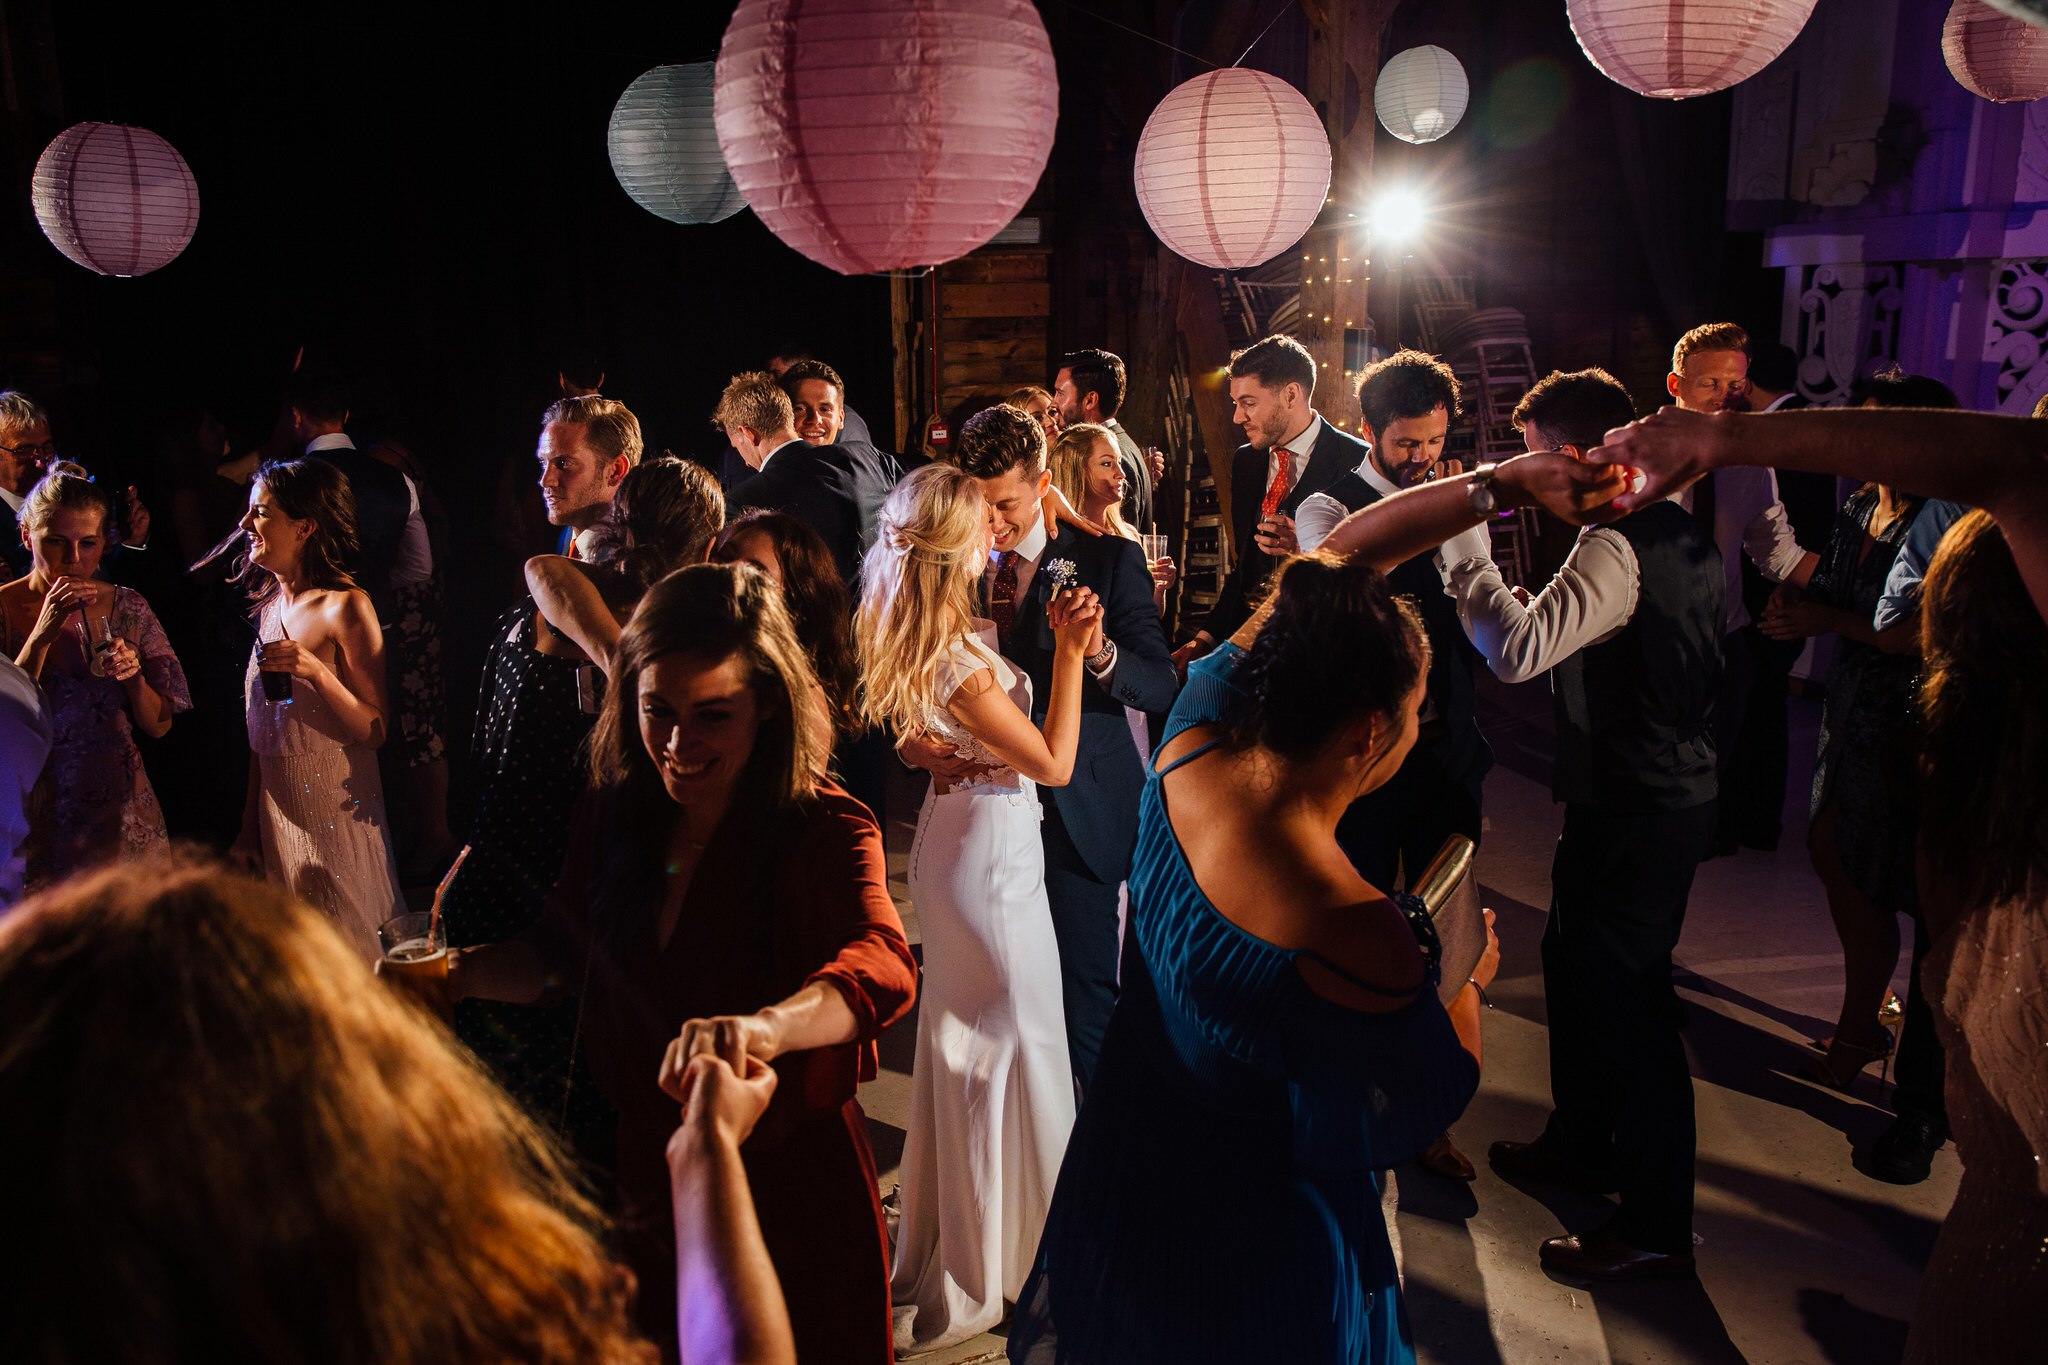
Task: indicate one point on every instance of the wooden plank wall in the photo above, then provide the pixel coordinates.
(995, 310)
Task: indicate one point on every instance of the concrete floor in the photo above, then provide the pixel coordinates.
(1802, 1259)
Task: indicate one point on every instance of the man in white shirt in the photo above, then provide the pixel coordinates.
(26, 452)
(1630, 632)
(1741, 510)
(392, 536)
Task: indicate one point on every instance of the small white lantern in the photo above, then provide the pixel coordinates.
(1421, 94)
(117, 200)
(1232, 168)
(664, 148)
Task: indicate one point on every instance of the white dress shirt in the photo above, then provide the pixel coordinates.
(1748, 519)
(1592, 597)
(1319, 514)
(1298, 450)
(13, 499)
(1029, 551)
(415, 561)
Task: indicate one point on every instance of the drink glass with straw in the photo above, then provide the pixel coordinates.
(416, 944)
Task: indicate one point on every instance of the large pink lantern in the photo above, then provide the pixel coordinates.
(1232, 168)
(1994, 55)
(1675, 49)
(885, 134)
(117, 200)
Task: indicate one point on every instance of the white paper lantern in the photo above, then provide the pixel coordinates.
(1993, 55)
(885, 134)
(1232, 168)
(1421, 94)
(117, 200)
(664, 148)
(1675, 49)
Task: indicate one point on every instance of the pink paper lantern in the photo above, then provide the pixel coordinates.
(885, 134)
(1994, 55)
(1675, 49)
(1232, 168)
(117, 200)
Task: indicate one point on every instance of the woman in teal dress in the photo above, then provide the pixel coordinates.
(1278, 1039)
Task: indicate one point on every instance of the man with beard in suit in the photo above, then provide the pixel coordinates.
(1091, 824)
(1290, 452)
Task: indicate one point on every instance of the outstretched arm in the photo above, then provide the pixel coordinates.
(571, 603)
(1997, 463)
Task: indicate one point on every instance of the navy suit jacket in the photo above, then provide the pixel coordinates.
(1099, 804)
(837, 490)
(1334, 455)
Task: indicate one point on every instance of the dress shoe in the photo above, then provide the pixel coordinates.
(1903, 1154)
(1602, 1255)
(1443, 1158)
(1542, 1162)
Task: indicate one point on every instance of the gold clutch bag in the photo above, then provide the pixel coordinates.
(1450, 892)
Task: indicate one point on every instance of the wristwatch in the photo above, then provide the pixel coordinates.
(1479, 492)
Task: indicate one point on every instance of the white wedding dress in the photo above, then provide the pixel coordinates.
(992, 1091)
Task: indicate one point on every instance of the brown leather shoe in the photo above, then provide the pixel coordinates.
(1602, 1255)
(1443, 1158)
(1539, 1161)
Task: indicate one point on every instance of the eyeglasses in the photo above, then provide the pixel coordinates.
(47, 450)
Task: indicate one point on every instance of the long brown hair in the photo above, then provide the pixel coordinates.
(221, 1139)
(308, 489)
(819, 605)
(1984, 716)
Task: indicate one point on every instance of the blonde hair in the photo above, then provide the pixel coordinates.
(921, 593)
(1069, 462)
(281, 1159)
(66, 488)
(1708, 336)
(755, 401)
(609, 426)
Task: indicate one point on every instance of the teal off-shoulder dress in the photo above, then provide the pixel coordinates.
(1220, 1197)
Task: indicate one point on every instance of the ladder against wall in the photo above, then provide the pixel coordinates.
(1488, 349)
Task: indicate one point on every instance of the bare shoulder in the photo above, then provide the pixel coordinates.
(345, 609)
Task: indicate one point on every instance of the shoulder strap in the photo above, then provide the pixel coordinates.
(1191, 755)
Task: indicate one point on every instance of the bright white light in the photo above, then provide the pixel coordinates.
(1399, 216)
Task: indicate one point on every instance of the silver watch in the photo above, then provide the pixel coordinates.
(1479, 492)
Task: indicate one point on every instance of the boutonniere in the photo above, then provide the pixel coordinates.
(1061, 573)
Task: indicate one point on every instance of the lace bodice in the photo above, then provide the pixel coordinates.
(970, 655)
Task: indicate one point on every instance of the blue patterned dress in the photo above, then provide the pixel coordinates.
(1220, 1197)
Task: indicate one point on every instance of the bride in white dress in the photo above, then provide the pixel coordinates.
(992, 1093)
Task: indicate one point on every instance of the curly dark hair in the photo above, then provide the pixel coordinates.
(1404, 386)
(308, 489)
(664, 516)
(997, 440)
(1338, 645)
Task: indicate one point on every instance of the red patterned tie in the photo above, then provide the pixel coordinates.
(1276, 491)
(1002, 597)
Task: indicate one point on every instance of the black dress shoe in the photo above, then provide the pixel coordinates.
(1602, 1255)
(1903, 1154)
(1540, 1161)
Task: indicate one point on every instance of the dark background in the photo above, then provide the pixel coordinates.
(423, 197)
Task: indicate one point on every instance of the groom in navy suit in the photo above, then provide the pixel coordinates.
(1091, 824)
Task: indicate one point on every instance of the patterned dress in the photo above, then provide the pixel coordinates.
(1865, 765)
(94, 802)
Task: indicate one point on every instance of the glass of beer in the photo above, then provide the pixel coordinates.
(277, 687)
(1154, 547)
(415, 945)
